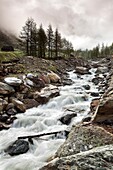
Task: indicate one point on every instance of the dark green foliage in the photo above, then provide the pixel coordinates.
(50, 41)
(42, 42)
(36, 42)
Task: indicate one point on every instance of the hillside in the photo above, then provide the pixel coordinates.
(8, 39)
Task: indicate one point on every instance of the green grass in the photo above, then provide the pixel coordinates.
(10, 56)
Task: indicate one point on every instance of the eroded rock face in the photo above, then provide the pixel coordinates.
(99, 158)
(6, 89)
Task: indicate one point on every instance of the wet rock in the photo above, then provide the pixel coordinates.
(94, 94)
(96, 80)
(46, 94)
(67, 82)
(87, 119)
(13, 81)
(102, 69)
(10, 120)
(87, 87)
(11, 111)
(82, 70)
(30, 103)
(3, 117)
(99, 158)
(6, 89)
(18, 147)
(54, 78)
(18, 104)
(66, 119)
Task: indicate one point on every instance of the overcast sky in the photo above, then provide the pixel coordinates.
(84, 22)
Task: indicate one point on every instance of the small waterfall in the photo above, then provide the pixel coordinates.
(45, 118)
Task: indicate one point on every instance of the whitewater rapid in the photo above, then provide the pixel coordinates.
(45, 118)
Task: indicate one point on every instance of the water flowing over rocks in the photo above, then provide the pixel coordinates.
(89, 145)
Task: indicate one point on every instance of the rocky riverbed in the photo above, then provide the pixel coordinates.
(89, 143)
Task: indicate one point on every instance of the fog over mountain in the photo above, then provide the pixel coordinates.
(86, 23)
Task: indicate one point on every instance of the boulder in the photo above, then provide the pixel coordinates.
(94, 94)
(102, 70)
(18, 105)
(84, 138)
(3, 117)
(13, 81)
(30, 103)
(82, 70)
(18, 147)
(66, 119)
(46, 94)
(6, 89)
(87, 87)
(105, 110)
(99, 158)
(54, 78)
(97, 80)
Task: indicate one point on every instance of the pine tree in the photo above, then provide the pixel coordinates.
(28, 35)
(50, 40)
(57, 42)
(42, 42)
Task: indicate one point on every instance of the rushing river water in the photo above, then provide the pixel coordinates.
(45, 118)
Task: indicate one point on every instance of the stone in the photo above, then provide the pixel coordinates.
(82, 70)
(18, 147)
(13, 81)
(54, 78)
(3, 104)
(87, 87)
(45, 78)
(6, 89)
(87, 119)
(46, 94)
(3, 117)
(94, 94)
(30, 103)
(97, 80)
(94, 103)
(99, 158)
(102, 69)
(11, 111)
(66, 119)
(18, 105)
(105, 110)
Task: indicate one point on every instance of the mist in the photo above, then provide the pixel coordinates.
(84, 22)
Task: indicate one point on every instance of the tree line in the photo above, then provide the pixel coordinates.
(44, 44)
(99, 51)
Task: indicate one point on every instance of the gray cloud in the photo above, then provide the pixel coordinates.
(84, 22)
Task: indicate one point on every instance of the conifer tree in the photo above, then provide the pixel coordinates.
(50, 40)
(42, 42)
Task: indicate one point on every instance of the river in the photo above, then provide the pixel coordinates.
(45, 118)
